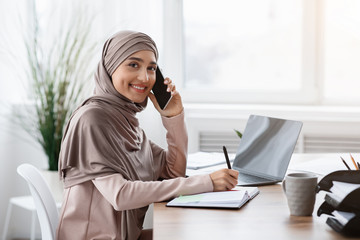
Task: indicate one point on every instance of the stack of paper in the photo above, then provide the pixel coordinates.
(343, 217)
(342, 201)
(341, 189)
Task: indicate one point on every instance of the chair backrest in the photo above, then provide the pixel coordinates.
(44, 201)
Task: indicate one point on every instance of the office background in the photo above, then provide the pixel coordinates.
(295, 59)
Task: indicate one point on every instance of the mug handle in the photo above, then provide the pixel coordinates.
(283, 186)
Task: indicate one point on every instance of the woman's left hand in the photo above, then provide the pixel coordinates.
(175, 106)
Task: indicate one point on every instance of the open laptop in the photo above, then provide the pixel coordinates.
(265, 150)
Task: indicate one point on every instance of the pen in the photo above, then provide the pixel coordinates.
(347, 166)
(356, 167)
(227, 157)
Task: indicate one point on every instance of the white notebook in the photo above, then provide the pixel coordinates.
(235, 198)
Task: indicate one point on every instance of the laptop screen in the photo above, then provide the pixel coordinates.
(266, 146)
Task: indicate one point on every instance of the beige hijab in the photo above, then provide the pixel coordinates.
(103, 135)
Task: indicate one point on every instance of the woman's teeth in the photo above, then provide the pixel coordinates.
(137, 87)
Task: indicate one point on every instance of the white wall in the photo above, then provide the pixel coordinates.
(338, 126)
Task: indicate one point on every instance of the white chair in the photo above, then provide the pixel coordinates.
(44, 201)
(27, 203)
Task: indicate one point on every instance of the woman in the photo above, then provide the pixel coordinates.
(111, 170)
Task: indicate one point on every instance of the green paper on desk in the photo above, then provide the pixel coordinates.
(189, 198)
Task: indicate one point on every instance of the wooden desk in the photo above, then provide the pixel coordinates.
(265, 217)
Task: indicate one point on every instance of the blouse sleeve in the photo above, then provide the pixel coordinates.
(174, 158)
(123, 194)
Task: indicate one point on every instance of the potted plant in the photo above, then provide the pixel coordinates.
(57, 82)
(57, 77)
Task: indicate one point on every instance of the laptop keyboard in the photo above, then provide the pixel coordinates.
(246, 178)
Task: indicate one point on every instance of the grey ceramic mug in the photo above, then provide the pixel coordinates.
(299, 189)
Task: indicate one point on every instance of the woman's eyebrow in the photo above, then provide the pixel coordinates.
(140, 60)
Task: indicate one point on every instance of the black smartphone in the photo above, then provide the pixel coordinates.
(159, 89)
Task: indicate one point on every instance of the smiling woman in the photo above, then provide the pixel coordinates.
(135, 77)
(107, 158)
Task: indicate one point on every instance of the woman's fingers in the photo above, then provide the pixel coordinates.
(224, 179)
(170, 86)
(175, 106)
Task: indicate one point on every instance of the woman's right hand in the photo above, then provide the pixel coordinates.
(175, 106)
(224, 179)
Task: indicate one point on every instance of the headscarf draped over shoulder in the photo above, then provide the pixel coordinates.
(116, 49)
(103, 133)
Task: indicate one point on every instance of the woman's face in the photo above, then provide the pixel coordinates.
(135, 77)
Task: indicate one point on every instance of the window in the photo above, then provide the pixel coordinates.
(342, 51)
(268, 51)
(241, 44)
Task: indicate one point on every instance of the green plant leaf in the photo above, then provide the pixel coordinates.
(238, 133)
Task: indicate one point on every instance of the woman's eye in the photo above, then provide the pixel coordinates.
(152, 68)
(135, 65)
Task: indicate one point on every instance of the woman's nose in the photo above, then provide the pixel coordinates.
(143, 76)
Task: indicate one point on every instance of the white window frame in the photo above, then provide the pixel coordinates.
(311, 68)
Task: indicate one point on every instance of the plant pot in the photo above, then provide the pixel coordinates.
(56, 186)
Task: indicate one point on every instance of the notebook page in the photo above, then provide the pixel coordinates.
(215, 197)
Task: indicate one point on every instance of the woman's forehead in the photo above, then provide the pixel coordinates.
(143, 56)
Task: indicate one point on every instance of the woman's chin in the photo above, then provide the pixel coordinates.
(139, 100)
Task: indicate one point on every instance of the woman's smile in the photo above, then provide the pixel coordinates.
(138, 88)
